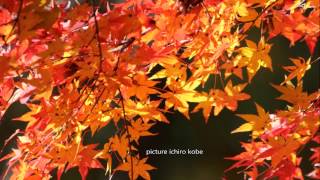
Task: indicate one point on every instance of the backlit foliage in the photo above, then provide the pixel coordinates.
(83, 67)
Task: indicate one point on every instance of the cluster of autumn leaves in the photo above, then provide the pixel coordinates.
(80, 68)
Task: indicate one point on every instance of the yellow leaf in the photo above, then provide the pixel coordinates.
(5, 29)
(206, 107)
(256, 123)
(242, 9)
(247, 52)
(150, 35)
(255, 56)
(42, 2)
(24, 139)
(251, 16)
(244, 128)
(298, 70)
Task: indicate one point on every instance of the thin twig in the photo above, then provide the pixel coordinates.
(316, 60)
(95, 103)
(262, 12)
(18, 131)
(122, 46)
(127, 130)
(17, 18)
(221, 80)
(117, 65)
(97, 35)
(207, 11)
(259, 15)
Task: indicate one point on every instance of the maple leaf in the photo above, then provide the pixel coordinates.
(119, 144)
(79, 13)
(146, 110)
(4, 67)
(76, 155)
(172, 70)
(241, 9)
(63, 154)
(6, 92)
(182, 93)
(229, 97)
(141, 55)
(281, 148)
(119, 24)
(232, 68)
(295, 95)
(316, 154)
(249, 157)
(248, 15)
(140, 168)
(70, 63)
(87, 159)
(298, 70)
(315, 158)
(20, 171)
(315, 174)
(295, 26)
(40, 18)
(139, 129)
(255, 57)
(206, 107)
(5, 26)
(255, 123)
(287, 169)
(141, 88)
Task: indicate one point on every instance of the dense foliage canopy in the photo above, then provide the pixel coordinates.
(81, 67)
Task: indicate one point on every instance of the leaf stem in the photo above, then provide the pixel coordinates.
(316, 60)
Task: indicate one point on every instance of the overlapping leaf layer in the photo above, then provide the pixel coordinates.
(81, 67)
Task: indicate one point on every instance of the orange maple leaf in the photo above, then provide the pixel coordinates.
(136, 168)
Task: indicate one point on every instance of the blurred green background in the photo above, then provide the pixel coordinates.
(214, 137)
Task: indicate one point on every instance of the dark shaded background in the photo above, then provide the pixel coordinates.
(214, 138)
